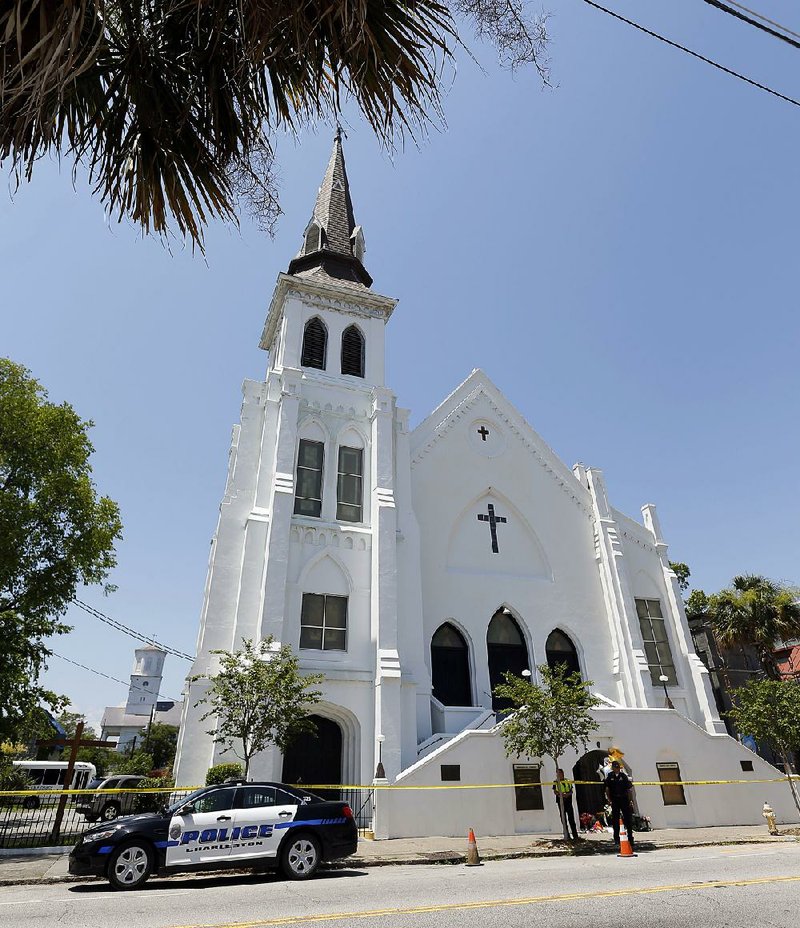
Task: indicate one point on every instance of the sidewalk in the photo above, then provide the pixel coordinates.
(52, 868)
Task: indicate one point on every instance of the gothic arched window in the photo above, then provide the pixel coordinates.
(353, 351)
(315, 342)
(450, 667)
(507, 652)
(559, 649)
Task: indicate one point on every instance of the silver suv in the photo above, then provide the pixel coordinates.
(97, 806)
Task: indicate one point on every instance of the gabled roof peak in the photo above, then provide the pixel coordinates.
(333, 245)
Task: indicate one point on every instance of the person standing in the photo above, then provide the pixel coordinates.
(563, 787)
(618, 793)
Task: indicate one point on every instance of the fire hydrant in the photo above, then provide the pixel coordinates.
(769, 815)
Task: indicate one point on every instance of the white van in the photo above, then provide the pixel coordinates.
(51, 774)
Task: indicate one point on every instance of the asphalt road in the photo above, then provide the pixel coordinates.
(735, 887)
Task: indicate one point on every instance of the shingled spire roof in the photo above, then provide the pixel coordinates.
(333, 245)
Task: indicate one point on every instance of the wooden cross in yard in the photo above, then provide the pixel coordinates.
(74, 743)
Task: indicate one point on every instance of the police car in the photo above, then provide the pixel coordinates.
(236, 824)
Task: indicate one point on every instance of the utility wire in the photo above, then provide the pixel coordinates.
(688, 51)
(127, 630)
(752, 22)
(108, 676)
(763, 19)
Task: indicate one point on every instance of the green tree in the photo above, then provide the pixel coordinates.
(259, 698)
(55, 533)
(548, 718)
(171, 104)
(682, 572)
(769, 710)
(758, 612)
(161, 741)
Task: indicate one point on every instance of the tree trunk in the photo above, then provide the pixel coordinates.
(560, 798)
(788, 768)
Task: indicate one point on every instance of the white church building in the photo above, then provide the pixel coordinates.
(414, 568)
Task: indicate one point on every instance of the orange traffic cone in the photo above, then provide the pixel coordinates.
(625, 849)
(473, 858)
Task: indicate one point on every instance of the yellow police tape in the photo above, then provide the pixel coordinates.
(392, 786)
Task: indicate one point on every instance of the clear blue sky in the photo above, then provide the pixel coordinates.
(619, 254)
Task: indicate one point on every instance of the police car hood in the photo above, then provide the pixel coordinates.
(142, 821)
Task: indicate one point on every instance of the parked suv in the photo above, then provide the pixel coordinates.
(95, 806)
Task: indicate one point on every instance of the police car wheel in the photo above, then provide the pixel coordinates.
(130, 866)
(110, 811)
(300, 857)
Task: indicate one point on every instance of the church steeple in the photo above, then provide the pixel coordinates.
(333, 245)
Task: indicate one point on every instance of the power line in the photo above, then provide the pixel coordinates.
(752, 22)
(108, 676)
(764, 18)
(688, 51)
(127, 630)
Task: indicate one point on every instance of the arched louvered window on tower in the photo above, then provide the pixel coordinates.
(353, 351)
(315, 342)
(315, 239)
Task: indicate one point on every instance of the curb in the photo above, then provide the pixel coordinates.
(435, 857)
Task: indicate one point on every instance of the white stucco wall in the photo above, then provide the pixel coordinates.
(647, 737)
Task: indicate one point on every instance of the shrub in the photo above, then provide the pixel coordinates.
(152, 802)
(222, 772)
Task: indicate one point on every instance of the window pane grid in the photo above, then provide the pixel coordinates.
(308, 490)
(325, 628)
(656, 642)
(349, 485)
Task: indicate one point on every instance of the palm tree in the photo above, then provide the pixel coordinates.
(757, 612)
(170, 104)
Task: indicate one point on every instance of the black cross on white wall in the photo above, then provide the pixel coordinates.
(483, 432)
(493, 521)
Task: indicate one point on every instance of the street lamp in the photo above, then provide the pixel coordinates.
(664, 679)
(380, 773)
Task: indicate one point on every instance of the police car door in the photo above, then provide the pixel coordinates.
(202, 833)
(260, 820)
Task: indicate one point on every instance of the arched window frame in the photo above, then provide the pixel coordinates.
(575, 646)
(310, 356)
(356, 370)
(467, 639)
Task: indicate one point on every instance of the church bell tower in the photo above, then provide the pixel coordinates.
(306, 545)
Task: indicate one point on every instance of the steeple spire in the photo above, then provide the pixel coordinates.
(333, 245)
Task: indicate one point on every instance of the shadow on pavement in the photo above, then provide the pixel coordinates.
(220, 880)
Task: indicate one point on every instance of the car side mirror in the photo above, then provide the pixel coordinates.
(188, 809)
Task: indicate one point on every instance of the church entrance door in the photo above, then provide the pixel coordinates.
(590, 798)
(313, 759)
(450, 667)
(507, 653)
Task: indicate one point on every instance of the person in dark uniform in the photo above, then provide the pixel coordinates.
(564, 787)
(618, 793)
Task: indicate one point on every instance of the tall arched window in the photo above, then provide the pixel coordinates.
(507, 652)
(353, 351)
(559, 649)
(315, 342)
(450, 667)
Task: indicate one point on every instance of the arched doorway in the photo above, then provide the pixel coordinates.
(450, 667)
(559, 649)
(592, 797)
(316, 758)
(507, 653)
